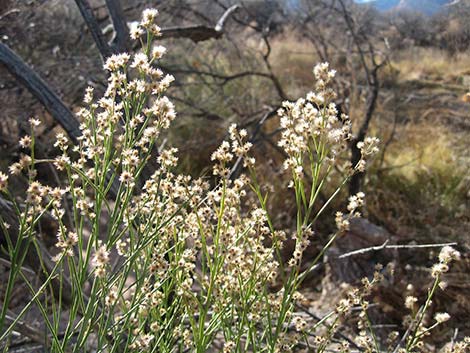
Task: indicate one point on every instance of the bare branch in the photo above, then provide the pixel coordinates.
(386, 246)
(236, 168)
(3, 15)
(90, 20)
(370, 67)
(220, 24)
(121, 41)
(272, 76)
(31, 332)
(224, 78)
(8, 264)
(41, 90)
(199, 33)
(196, 33)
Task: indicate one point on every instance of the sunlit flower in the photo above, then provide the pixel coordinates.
(441, 317)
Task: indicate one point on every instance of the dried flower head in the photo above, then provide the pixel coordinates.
(441, 317)
(34, 122)
(3, 181)
(448, 254)
(100, 260)
(410, 302)
(25, 141)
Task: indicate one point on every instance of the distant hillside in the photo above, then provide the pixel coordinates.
(428, 7)
(381, 5)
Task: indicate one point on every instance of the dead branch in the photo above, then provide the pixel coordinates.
(121, 40)
(220, 24)
(386, 246)
(94, 27)
(196, 33)
(199, 33)
(6, 14)
(8, 264)
(370, 67)
(41, 90)
(26, 330)
(274, 79)
(227, 78)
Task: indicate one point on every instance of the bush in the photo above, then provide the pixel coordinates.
(173, 263)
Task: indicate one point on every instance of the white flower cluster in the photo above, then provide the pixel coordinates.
(100, 260)
(312, 124)
(447, 255)
(237, 147)
(368, 147)
(147, 23)
(343, 220)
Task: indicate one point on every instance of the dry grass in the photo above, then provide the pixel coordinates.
(293, 59)
(416, 63)
(428, 148)
(421, 192)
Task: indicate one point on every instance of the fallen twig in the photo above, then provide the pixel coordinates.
(397, 246)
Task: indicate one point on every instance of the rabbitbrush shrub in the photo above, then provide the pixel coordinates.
(175, 264)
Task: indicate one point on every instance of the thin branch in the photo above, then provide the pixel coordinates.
(8, 264)
(373, 87)
(197, 33)
(224, 78)
(403, 338)
(350, 24)
(220, 24)
(95, 29)
(274, 79)
(402, 165)
(9, 12)
(23, 328)
(386, 246)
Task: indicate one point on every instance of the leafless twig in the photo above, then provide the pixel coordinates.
(8, 264)
(386, 246)
(23, 328)
(237, 166)
(199, 33)
(9, 12)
